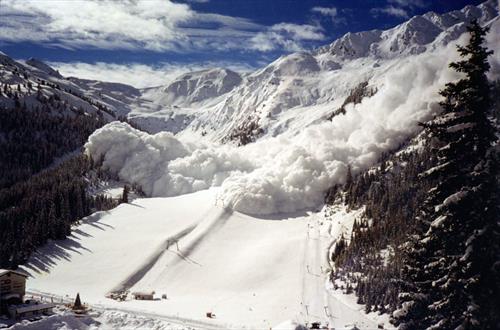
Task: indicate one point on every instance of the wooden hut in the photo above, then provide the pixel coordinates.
(12, 288)
(143, 295)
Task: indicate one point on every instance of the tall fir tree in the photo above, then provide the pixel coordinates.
(451, 272)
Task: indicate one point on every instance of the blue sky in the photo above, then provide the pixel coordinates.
(182, 35)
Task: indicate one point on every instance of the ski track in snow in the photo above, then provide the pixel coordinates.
(149, 263)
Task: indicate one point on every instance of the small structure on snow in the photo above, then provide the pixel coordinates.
(78, 302)
(315, 325)
(143, 295)
(28, 310)
(12, 287)
(117, 295)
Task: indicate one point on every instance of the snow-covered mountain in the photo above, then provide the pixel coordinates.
(297, 101)
(223, 105)
(35, 83)
(417, 35)
(272, 100)
(342, 104)
(198, 86)
(310, 114)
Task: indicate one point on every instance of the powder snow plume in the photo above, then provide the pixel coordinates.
(284, 173)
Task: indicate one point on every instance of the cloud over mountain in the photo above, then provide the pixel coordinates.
(153, 25)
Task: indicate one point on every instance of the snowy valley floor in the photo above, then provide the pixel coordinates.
(250, 272)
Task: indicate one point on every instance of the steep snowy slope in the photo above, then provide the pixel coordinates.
(274, 99)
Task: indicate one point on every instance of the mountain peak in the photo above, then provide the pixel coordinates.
(200, 85)
(410, 37)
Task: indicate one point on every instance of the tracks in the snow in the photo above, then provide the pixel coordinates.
(135, 277)
(314, 295)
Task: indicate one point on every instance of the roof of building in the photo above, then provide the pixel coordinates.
(25, 308)
(18, 272)
(142, 293)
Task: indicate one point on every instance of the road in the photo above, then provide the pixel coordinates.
(186, 323)
(319, 304)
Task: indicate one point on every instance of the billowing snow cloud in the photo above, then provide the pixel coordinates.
(160, 163)
(284, 173)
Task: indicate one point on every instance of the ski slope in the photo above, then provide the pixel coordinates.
(252, 273)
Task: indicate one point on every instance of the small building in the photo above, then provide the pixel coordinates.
(148, 295)
(12, 288)
(12, 291)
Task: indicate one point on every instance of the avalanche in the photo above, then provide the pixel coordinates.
(289, 172)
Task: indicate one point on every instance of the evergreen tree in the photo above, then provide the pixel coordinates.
(449, 275)
(126, 190)
(78, 303)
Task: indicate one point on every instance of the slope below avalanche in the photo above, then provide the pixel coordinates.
(251, 272)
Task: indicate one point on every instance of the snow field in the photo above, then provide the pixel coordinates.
(252, 273)
(110, 247)
(245, 270)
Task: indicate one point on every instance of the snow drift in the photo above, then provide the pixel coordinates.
(284, 173)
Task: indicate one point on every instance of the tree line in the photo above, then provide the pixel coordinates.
(44, 207)
(42, 190)
(434, 211)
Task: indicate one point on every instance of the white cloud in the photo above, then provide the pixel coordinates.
(399, 8)
(326, 11)
(145, 24)
(157, 25)
(391, 11)
(287, 36)
(410, 3)
(136, 74)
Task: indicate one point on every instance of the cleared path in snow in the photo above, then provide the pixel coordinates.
(320, 305)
